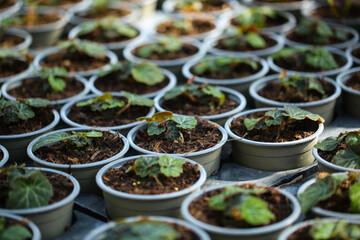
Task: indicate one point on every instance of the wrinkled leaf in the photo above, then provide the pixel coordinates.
(147, 73)
(299, 114)
(15, 232)
(52, 138)
(321, 58)
(347, 158)
(352, 141)
(22, 110)
(328, 144)
(255, 211)
(255, 40)
(154, 128)
(138, 100)
(275, 117)
(157, 117)
(185, 122)
(170, 166)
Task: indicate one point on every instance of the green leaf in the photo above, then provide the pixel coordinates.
(147, 73)
(215, 92)
(57, 84)
(353, 142)
(175, 92)
(170, 43)
(250, 123)
(275, 117)
(138, 100)
(173, 132)
(322, 229)
(314, 84)
(92, 134)
(109, 104)
(285, 53)
(323, 29)
(22, 110)
(55, 72)
(15, 232)
(170, 166)
(52, 138)
(89, 48)
(185, 122)
(255, 211)
(255, 40)
(147, 166)
(146, 51)
(342, 229)
(347, 158)
(320, 58)
(88, 27)
(154, 128)
(354, 196)
(157, 117)
(36, 102)
(299, 114)
(328, 144)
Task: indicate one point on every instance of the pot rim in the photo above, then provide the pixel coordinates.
(24, 73)
(350, 49)
(268, 144)
(36, 234)
(7, 12)
(52, 206)
(340, 79)
(5, 156)
(235, 94)
(22, 33)
(39, 131)
(296, 211)
(262, 72)
(143, 197)
(329, 164)
(261, 83)
(75, 166)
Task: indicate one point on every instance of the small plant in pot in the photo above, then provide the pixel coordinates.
(52, 84)
(39, 195)
(216, 7)
(81, 57)
(315, 94)
(195, 138)
(332, 195)
(148, 185)
(274, 139)
(142, 78)
(12, 38)
(13, 64)
(114, 112)
(241, 211)
(16, 227)
(210, 102)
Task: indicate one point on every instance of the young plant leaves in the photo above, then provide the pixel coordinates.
(164, 45)
(13, 232)
(327, 230)
(224, 65)
(147, 73)
(138, 100)
(89, 48)
(55, 77)
(255, 16)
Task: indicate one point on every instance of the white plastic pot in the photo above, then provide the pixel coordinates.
(7, 12)
(36, 235)
(26, 72)
(5, 156)
(349, 53)
(283, 6)
(23, 46)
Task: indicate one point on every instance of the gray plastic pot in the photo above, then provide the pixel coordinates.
(208, 158)
(211, 42)
(16, 144)
(174, 65)
(71, 6)
(23, 46)
(5, 156)
(15, 82)
(122, 204)
(7, 12)
(54, 218)
(122, 128)
(239, 84)
(350, 96)
(324, 107)
(84, 173)
(218, 118)
(98, 233)
(36, 235)
(349, 53)
(25, 73)
(269, 156)
(319, 212)
(293, 6)
(41, 56)
(269, 232)
(167, 73)
(328, 73)
(343, 45)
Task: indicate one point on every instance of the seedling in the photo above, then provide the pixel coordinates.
(100, 6)
(17, 231)
(169, 125)
(143, 72)
(329, 185)
(327, 230)
(15, 111)
(343, 5)
(238, 38)
(28, 188)
(77, 46)
(197, 5)
(222, 65)
(349, 144)
(255, 17)
(55, 78)
(8, 22)
(239, 204)
(164, 45)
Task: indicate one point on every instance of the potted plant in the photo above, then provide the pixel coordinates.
(236, 73)
(80, 152)
(165, 51)
(80, 57)
(183, 136)
(9, 7)
(13, 38)
(274, 139)
(52, 84)
(216, 104)
(108, 31)
(45, 196)
(315, 61)
(4, 156)
(354, 52)
(331, 195)
(23, 120)
(314, 94)
(349, 82)
(148, 185)
(70, 5)
(159, 227)
(142, 78)
(338, 154)
(108, 111)
(241, 211)
(315, 32)
(16, 227)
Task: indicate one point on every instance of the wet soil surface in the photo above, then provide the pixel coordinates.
(301, 234)
(310, 38)
(325, 12)
(9, 41)
(354, 81)
(245, 46)
(186, 51)
(197, 26)
(11, 66)
(7, 3)
(110, 12)
(41, 19)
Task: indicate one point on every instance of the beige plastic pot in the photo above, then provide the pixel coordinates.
(5, 157)
(269, 156)
(208, 158)
(54, 218)
(121, 204)
(269, 232)
(324, 107)
(84, 173)
(350, 96)
(36, 235)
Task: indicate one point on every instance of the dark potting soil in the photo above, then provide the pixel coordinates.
(12, 66)
(6, 4)
(310, 38)
(39, 20)
(356, 52)
(354, 81)
(326, 12)
(240, 71)
(57, 3)
(291, 63)
(1, 154)
(329, 155)
(278, 204)
(39, 88)
(78, 62)
(109, 12)
(301, 234)
(99, 36)
(183, 105)
(197, 26)
(186, 51)
(245, 47)
(294, 130)
(43, 117)
(203, 136)
(102, 148)
(62, 187)
(206, 7)
(112, 83)
(275, 91)
(186, 233)
(119, 180)
(8, 41)
(269, 22)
